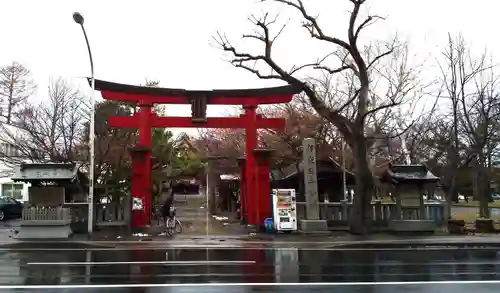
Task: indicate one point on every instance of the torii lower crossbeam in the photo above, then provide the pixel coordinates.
(212, 122)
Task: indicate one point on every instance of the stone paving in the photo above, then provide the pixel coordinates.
(196, 219)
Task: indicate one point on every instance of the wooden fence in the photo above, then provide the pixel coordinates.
(112, 214)
(337, 214)
(42, 213)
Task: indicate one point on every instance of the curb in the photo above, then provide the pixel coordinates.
(222, 242)
(262, 240)
(54, 245)
(261, 246)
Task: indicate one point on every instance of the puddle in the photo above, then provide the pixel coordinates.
(219, 218)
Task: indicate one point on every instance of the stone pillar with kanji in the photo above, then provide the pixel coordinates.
(263, 205)
(313, 221)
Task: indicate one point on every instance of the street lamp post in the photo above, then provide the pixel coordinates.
(78, 18)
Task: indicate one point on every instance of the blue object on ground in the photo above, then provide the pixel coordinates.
(268, 224)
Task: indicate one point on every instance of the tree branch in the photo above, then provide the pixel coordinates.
(312, 24)
(386, 53)
(367, 22)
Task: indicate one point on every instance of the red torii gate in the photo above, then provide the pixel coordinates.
(255, 197)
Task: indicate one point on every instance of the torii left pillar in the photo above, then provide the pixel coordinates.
(250, 162)
(141, 170)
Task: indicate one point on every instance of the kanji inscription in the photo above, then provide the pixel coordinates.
(310, 179)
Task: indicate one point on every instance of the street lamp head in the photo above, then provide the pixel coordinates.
(78, 18)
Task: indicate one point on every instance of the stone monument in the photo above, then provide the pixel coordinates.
(312, 221)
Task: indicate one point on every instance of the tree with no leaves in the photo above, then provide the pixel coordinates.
(112, 159)
(50, 131)
(222, 142)
(301, 122)
(15, 88)
(352, 58)
(471, 83)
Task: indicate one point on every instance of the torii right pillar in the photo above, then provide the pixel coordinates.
(262, 201)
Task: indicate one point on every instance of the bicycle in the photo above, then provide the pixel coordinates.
(173, 224)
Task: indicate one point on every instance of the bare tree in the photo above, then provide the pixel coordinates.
(351, 58)
(301, 122)
(112, 158)
(427, 142)
(472, 87)
(49, 131)
(480, 113)
(228, 143)
(15, 88)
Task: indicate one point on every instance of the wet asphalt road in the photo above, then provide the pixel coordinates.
(186, 270)
(421, 288)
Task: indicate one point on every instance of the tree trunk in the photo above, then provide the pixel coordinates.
(483, 187)
(476, 194)
(450, 176)
(361, 216)
(9, 103)
(451, 194)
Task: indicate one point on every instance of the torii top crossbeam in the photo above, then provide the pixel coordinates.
(150, 95)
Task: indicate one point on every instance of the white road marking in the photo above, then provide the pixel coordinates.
(165, 262)
(236, 262)
(323, 284)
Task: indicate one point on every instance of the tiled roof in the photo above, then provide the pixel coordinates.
(47, 172)
(409, 173)
(322, 165)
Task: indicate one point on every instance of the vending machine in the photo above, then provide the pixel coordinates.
(284, 209)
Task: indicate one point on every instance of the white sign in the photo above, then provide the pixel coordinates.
(137, 204)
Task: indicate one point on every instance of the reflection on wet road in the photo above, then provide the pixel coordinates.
(372, 288)
(325, 270)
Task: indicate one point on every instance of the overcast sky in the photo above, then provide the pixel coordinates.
(170, 41)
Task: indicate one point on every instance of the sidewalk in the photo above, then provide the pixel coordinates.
(235, 235)
(223, 231)
(339, 241)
